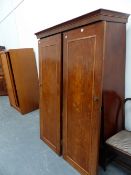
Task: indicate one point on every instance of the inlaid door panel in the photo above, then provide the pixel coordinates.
(83, 56)
(50, 82)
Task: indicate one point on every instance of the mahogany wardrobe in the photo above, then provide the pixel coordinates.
(82, 66)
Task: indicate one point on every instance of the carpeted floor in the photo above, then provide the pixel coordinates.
(23, 153)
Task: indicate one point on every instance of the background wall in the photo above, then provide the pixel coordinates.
(20, 19)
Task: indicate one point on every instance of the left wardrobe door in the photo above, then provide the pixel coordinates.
(50, 91)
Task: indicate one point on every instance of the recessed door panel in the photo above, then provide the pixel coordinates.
(50, 82)
(82, 96)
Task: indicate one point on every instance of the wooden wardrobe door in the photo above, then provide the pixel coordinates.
(83, 58)
(50, 82)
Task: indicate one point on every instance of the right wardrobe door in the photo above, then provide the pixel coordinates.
(82, 81)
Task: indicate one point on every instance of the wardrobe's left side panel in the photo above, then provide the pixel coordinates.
(9, 80)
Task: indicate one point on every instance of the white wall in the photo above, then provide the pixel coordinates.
(20, 19)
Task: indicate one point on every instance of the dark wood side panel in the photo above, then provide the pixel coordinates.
(83, 59)
(3, 89)
(114, 78)
(26, 78)
(50, 80)
(9, 79)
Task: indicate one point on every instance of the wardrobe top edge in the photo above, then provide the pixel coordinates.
(95, 16)
(18, 49)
